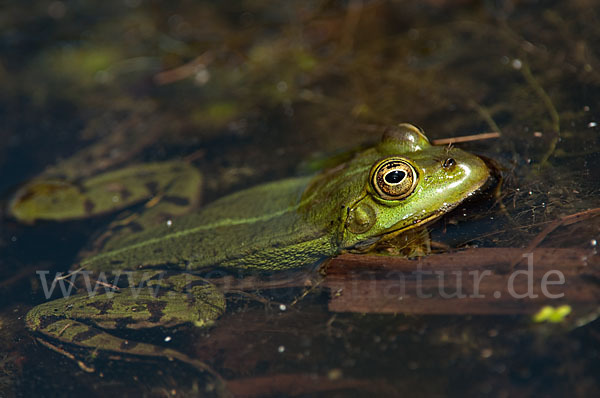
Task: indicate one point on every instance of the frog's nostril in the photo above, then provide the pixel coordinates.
(448, 163)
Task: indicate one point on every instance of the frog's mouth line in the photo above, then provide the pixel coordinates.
(421, 223)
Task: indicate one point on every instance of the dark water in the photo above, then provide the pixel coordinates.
(255, 91)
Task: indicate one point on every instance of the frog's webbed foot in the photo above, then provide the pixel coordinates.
(168, 188)
(90, 321)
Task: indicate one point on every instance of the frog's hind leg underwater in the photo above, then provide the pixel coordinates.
(87, 320)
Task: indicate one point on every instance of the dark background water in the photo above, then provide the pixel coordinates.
(257, 91)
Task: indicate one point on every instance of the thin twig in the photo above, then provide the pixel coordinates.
(183, 71)
(69, 274)
(67, 354)
(466, 138)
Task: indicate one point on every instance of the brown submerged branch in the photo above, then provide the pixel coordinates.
(464, 282)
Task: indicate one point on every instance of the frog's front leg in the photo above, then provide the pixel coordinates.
(89, 321)
(411, 243)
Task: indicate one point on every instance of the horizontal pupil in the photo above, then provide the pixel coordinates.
(394, 177)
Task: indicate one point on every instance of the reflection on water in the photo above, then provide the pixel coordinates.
(251, 92)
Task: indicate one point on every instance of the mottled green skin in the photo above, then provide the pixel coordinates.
(138, 309)
(261, 227)
(283, 224)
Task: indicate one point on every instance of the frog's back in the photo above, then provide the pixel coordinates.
(260, 227)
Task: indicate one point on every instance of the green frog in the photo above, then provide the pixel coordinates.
(385, 192)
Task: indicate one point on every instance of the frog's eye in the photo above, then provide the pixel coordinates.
(394, 179)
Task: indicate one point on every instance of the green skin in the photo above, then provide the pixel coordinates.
(274, 226)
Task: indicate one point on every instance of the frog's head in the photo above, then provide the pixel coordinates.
(410, 183)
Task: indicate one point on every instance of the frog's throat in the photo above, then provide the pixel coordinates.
(368, 244)
(420, 223)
